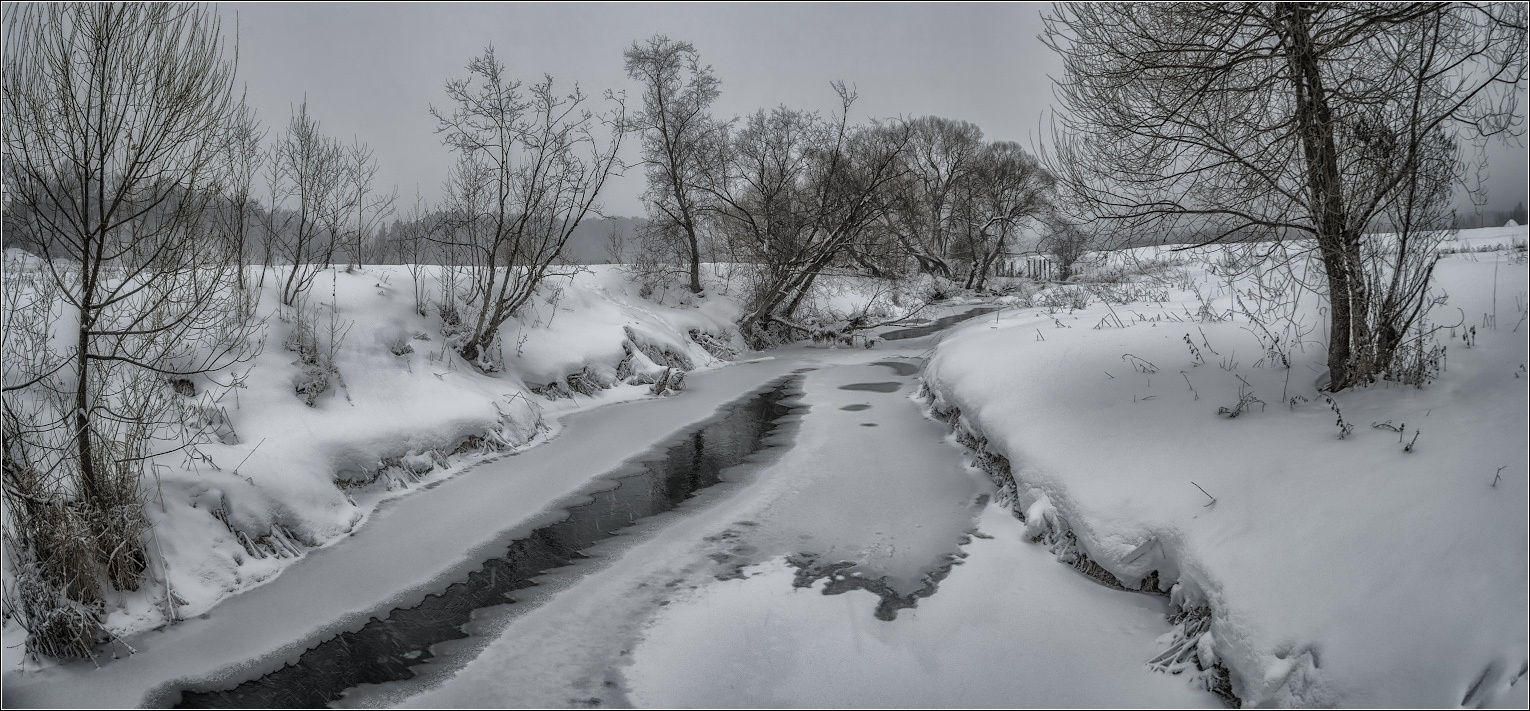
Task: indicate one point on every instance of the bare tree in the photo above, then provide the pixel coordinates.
(796, 192)
(1266, 120)
(114, 120)
(1067, 244)
(922, 204)
(305, 175)
(371, 208)
(1006, 188)
(242, 158)
(678, 140)
(413, 239)
(530, 168)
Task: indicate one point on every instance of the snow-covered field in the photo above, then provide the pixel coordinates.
(1354, 571)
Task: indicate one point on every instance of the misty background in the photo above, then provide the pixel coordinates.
(372, 70)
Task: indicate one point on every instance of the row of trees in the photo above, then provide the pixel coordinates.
(792, 192)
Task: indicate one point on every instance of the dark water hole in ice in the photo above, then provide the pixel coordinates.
(938, 324)
(899, 367)
(873, 387)
(386, 649)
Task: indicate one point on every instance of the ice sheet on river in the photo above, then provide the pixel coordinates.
(891, 503)
(704, 609)
(1010, 627)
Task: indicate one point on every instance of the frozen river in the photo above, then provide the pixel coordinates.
(800, 535)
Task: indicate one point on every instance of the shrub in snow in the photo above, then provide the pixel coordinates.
(583, 382)
(718, 347)
(316, 348)
(671, 382)
(1072, 298)
(500, 130)
(1191, 650)
(1246, 400)
(661, 354)
(57, 625)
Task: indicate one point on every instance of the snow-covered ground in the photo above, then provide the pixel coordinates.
(281, 477)
(282, 518)
(412, 546)
(1354, 571)
(1334, 571)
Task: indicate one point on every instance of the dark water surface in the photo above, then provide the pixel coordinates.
(899, 367)
(385, 649)
(939, 324)
(873, 387)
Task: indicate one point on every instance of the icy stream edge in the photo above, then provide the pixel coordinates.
(1190, 646)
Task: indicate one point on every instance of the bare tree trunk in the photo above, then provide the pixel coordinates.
(1338, 249)
(690, 232)
(84, 447)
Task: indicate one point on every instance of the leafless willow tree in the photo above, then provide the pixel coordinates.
(1290, 121)
(922, 204)
(679, 141)
(241, 162)
(529, 169)
(796, 191)
(115, 117)
(371, 208)
(414, 239)
(305, 174)
(1006, 189)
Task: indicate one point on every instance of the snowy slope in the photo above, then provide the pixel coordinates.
(1337, 571)
(277, 477)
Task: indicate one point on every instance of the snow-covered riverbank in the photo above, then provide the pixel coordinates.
(275, 476)
(460, 509)
(404, 552)
(1383, 568)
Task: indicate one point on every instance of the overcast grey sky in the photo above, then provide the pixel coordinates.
(371, 69)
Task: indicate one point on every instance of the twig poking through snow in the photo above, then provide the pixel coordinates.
(1207, 493)
(1409, 447)
(1498, 475)
(247, 456)
(1138, 364)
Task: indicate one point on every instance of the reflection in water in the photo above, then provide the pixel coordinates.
(385, 649)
